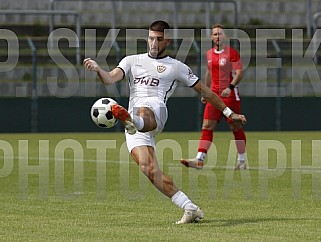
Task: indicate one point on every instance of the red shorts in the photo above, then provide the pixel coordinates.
(211, 113)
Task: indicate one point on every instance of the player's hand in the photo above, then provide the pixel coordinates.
(203, 100)
(238, 118)
(91, 65)
(226, 92)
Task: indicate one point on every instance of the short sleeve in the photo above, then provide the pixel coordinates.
(186, 75)
(125, 65)
(236, 60)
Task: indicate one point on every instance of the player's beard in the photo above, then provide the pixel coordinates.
(154, 52)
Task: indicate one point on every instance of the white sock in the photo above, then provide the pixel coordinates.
(182, 201)
(201, 156)
(241, 157)
(138, 122)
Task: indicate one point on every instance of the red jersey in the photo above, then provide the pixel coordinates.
(221, 65)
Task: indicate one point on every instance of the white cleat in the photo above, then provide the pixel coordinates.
(130, 127)
(241, 165)
(193, 163)
(191, 216)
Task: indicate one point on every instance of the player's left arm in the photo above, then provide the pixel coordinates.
(237, 77)
(236, 80)
(237, 68)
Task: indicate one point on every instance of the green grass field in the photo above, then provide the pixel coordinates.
(59, 187)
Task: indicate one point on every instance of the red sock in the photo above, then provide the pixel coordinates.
(205, 140)
(240, 140)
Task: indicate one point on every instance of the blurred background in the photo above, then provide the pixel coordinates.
(44, 88)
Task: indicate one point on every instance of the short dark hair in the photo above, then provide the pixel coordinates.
(159, 26)
(220, 26)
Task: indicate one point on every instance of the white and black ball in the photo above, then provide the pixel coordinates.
(101, 113)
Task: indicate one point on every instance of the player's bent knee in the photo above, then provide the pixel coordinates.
(147, 170)
(236, 127)
(149, 119)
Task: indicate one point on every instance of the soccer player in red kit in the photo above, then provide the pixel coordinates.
(224, 73)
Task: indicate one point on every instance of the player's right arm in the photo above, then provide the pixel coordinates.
(208, 79)
(105, 76)
(208, 83)
(217, 102)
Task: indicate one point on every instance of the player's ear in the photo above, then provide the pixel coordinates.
(168, 42)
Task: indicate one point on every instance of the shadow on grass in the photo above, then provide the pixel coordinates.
(235, 222)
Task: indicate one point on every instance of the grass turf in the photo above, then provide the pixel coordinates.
(78, 196)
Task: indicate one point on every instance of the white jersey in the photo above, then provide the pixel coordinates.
(151, 82)
(155, 78)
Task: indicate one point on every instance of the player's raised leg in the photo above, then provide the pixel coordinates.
(122, 114)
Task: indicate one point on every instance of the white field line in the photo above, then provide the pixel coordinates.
(33, 158)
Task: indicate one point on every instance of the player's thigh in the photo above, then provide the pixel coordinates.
(161, 115)
(149, 118)
(159, 109)
(140, 139)
(145, 157)
(209, 124)
(211, 113)
(236, 107)
(233, 104)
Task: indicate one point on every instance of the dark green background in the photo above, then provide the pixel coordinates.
(72, 114)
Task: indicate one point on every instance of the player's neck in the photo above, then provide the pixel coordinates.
(219, 47)
(158, 56)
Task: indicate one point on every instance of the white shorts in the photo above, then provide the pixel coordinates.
(147, 138)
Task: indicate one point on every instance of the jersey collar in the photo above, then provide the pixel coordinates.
(157, 57)
(218, 51)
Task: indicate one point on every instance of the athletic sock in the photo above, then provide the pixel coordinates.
(240, 140)
(182, 201)
(241, 157)
(138, 122)
(205, 140)
(201, 156)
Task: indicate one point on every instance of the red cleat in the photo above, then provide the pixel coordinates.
(119, 112)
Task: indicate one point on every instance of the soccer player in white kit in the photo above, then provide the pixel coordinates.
(153, 77)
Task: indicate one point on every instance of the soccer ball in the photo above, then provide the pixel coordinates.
(101, 113)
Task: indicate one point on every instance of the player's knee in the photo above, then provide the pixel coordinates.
(149, 124)
(149, 119)
(148, 170)
(207, 127)
(236, 127)
(209, 124)
(143, 168)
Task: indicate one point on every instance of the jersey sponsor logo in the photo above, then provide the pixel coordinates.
(147, 81)
(161, 68)
(222, 61)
